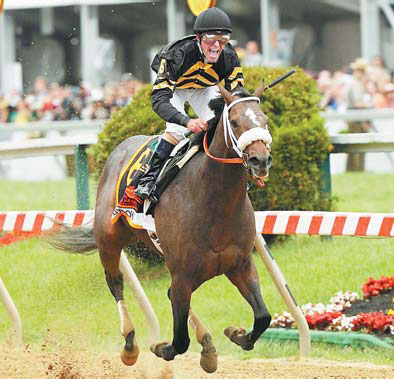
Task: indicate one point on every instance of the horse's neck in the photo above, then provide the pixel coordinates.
(227, 180)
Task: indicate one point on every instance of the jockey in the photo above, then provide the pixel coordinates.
(189, 70)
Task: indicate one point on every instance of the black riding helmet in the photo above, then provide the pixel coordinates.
(212, 19)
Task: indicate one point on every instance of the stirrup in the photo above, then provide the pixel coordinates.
(143, 193)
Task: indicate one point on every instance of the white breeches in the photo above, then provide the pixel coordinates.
(198, 100)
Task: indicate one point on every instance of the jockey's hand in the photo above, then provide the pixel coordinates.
(197, 125)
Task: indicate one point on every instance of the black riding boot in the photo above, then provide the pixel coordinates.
(148, 179)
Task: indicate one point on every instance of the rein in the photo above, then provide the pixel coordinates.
(221, 160)
(260, 134)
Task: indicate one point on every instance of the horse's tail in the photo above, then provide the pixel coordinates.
(73, 240)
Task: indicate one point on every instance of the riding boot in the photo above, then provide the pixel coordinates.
(148, 179)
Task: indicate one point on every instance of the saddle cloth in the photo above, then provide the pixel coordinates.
(128, 181)
(137, 213)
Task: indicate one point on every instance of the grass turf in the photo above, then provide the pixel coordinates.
(63, 298)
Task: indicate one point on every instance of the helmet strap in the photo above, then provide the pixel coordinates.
(199, 46)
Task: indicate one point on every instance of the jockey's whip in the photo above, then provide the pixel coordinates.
(261, 88)
(283, 77)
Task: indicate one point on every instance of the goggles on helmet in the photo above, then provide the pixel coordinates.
(211, 38)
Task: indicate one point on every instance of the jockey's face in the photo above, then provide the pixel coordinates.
(212, 45)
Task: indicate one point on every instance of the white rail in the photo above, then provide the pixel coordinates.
(49, 126)
(43, 146)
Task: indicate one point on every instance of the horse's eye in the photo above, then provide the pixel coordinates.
(234, 123)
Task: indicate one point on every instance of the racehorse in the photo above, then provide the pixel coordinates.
(205, 223)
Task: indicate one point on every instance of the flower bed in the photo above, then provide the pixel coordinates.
(342, 314)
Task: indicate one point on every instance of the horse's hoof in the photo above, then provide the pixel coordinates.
(239, 337)
(163, 350)
(209, 359)
(129, 357)
(130, 351)
(233, 331)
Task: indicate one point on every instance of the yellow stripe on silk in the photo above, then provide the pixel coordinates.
(191, 85)
(236, 82)
(235, 72)
(192, 70)
(162, 85)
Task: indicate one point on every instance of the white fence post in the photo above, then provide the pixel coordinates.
(281, 285)
(16, 336)
(140, 296)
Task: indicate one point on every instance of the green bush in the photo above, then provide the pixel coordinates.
(134, 119)
(300, 141)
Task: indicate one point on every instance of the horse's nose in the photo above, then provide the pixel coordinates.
(259, 162)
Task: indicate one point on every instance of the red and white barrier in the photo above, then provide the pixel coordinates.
(38, 221)
(325, 223)
(267, 222)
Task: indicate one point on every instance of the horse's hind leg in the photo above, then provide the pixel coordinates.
(110, 257)
(209, 359)
(246, 280)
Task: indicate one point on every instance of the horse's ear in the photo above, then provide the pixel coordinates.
(259, 91)
(228, 97)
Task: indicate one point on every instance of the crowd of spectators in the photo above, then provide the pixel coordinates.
(53, 102)
(359, 85)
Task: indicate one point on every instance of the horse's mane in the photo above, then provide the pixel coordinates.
(217, 105)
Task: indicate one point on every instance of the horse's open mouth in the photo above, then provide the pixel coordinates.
(260, 180)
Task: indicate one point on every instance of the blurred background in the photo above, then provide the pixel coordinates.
(63, 60)
(96, 41)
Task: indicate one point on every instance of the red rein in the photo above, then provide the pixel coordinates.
(259, 182)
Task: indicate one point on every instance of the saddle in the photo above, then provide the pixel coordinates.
(136, 213)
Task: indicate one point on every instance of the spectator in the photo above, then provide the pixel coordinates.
(252, 56)
(340, 84)
(22, 113)
(378, 73)
(376, 98)
(389, 94)
(357, 98)
(357, 92)
(325, 86)
(4, 110)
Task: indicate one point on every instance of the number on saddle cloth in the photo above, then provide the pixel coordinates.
(136, 166)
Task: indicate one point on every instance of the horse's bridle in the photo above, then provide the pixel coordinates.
(244, 140)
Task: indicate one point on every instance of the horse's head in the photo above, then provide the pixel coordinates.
(246, 127)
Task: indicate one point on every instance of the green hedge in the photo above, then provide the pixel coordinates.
(300, 141)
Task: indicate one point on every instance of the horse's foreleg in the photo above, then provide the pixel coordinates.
(180, 295)
(246, 280)
(114, 280)
(209, 359)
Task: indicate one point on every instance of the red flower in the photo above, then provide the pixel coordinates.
(375, 322)
(374, 287)
(321, 320)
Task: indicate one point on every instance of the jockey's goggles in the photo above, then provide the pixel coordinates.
(210, 38)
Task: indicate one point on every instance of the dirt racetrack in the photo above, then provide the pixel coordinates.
(25, 363)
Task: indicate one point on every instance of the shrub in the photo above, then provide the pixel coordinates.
(134, 119)
(300, 142)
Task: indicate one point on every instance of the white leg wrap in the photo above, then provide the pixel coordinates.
(126, 326)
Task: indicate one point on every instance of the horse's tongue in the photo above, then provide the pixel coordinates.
(260, 183)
